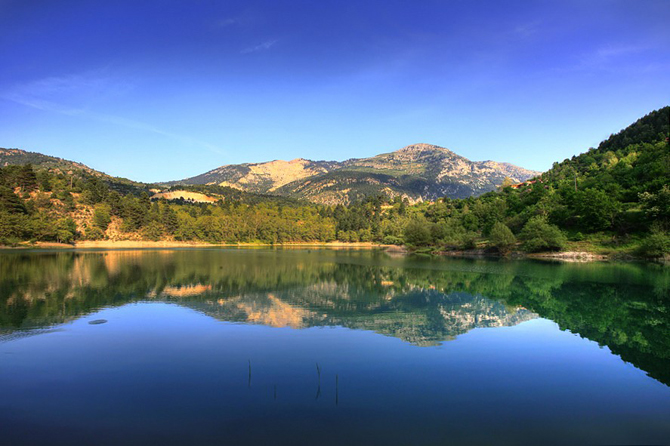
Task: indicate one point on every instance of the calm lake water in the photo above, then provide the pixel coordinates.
(320, 347)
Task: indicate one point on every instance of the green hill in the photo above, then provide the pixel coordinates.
(614, 200)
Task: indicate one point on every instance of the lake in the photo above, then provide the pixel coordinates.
(322, 346)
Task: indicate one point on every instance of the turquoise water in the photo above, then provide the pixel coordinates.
(301, 346)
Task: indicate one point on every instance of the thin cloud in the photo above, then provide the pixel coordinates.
(45, 95)
(610, 52)
(527, 29)
(262, 47)
(94, 84)
(605, 58)
(224, 23)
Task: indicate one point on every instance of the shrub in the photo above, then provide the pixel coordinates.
(469, 240)
(578, 237)
(417, 233)
(153, 231)
(392, 240)
(539, 235)
(66, 230)
(94, 233)
(657, 244)
(502, 238)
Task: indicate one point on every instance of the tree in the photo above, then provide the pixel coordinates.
(10, 202)
(27, 179)
(101, 216)
(502, 237)
(657, 205)
(169, 219)
(153, 231)
(95, 191)
(657, 244)
(417, 232)
(539, 235)
(94, 233)
(596, 209)
(66, 229)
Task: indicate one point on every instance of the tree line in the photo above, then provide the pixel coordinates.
(615, 196)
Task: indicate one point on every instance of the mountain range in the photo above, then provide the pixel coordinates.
(418, 172)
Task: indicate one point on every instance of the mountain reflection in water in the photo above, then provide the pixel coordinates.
(420, 301)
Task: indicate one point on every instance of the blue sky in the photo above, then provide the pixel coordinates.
(158, 90)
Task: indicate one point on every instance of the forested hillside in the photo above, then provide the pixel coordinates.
(614, 199)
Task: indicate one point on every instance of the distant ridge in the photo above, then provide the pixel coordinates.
(17, 156)
(418, 172)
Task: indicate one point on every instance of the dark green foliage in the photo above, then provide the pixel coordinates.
(392, 240)
(101, 216)
(539, 235)
(169, 219)
(94, 191)
(153, 231)
(656, 244)
(649, 129)
(502, 237)
(597, 210)
(657, 205)
(66, 229)
(26, 178)
(616, 193)
(417, 233)
(10, 202)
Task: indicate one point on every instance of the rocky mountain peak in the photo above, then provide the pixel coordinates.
(417, 172)
(423, 147)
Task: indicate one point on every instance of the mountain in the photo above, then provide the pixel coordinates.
(262, 177)
(12, 157)
(82, 174)
(418, 172)
(53, 164)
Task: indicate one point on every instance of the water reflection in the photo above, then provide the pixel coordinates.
(421, 301)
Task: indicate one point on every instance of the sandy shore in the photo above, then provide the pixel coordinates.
(136, 244)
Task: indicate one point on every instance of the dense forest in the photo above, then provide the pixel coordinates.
(614, 199)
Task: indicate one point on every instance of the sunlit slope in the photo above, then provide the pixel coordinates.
(418, 172)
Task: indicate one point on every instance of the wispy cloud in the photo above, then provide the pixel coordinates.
(94, 85)
(229, 21)
(612, 51)
(49, 94)
(611, 56)
(262, 47)
(526, 30)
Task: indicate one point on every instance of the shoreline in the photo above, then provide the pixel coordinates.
(139, 244)
(393, 250)
(564, 256)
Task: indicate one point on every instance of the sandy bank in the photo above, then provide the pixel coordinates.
(137, 244)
